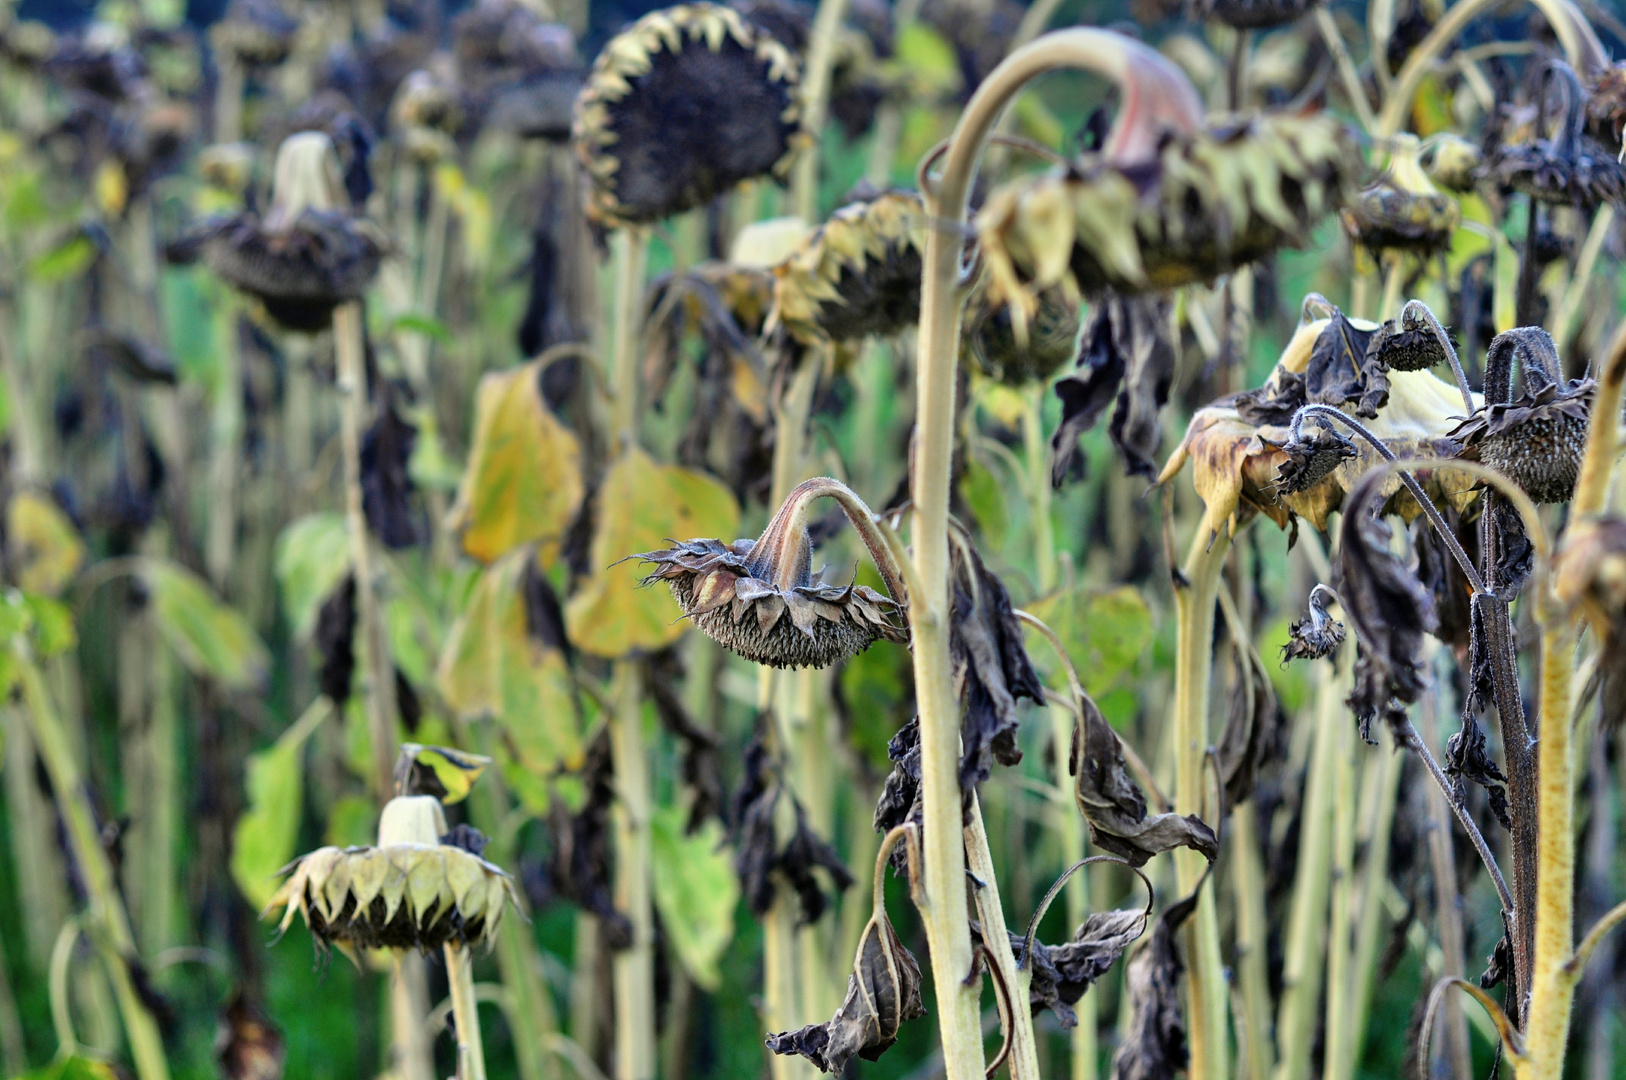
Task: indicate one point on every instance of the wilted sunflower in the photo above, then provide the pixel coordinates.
(306, 256)
(1250, 14)
(411, 891)
(858, 274)
(1567, 168)
(255, 33)
(520, 71)
(426, 115)
(1170, 200)
(1536, 439)
(1606, 105)
(761, 599)
(680, 107)
(1453, 162)
(1049, 341)
(1403, 210)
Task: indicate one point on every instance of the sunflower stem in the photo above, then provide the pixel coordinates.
(944, 910)
(815, 105)
(471, 1061)
(1024, 1053)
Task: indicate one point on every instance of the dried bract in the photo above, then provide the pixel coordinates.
(1316, 635)
(857, 275)
(761, 598)
(679, 108)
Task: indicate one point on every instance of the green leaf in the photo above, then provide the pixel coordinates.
(74, 1067)
(209, 637)
(427, 325)
(695, 892)
(491, 666)
(312, 557)
(352, 821)
(67, 260)
(264, 839)
(641, 506)
(52, 624)
(524, 480)
(1105, 633)
(985, 496)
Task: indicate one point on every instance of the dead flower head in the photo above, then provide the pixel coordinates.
(1453, 162)
(1169, 200)
(1537, 439)
(256, 33)
(680, 107)
(1051, 337)
(411, 891)
(761, 598)
(1566, 168)
(858, 274)
(1403, 211)
(1251, 14)
(1316, 635)
(306, 256)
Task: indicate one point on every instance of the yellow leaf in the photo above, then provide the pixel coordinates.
(523, 482)
(493, 667)
(641, 506)
(112, 188)
(46, 551)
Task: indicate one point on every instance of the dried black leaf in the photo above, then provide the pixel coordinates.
(1498, 965)
(991, 665)
(1467, 758)
(1440, 571)
(247, 1045)
(1390, 608)
(1062, 973)
(701, 770)
(386, 489)
(1114, 806)
(407, 705)
(882, 993)
(582, 860)
(466, 837)
(760, 861)
(1155, 1045)
(900, 795)
(1253, 726)
(544, 618)
(1126, 348)
(1342, 372)
(335, 641)
(544, 319)
(1316, 635)
(1085, 396)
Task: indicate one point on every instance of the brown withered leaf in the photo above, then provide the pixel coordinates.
(1113, 804)
(1062, 973)
(882, 993)
(1341, 372)
(1468, 758)
(1253, 729)
(247, 1045)
(386, 489)
(334, 638)
(1316, 635)
(582, 861)
(991, 665)
(1127, 350)
(1389, 607)
(1155, 1045)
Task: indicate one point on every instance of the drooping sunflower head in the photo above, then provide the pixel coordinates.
(1049, 339)
(858, 274)
(680, 107)
(1558, 162)
(410, 891)
(1170, 199)
(762, 599)
(256, 33)
(1453, 162)
(1403, 210)
(1537, 438)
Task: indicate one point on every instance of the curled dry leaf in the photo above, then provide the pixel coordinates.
(335, 641)
(991, 665)
(1253, 727)
(1389, 607)
(582, 861)
(1115, 807)
(386, 489)
(882, 993)
(1155, 1045)
(1127, 355)
(1590, 575)
(1468, 758)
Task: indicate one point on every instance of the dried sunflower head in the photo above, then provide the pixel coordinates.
(1251, 14)
(1309, 456)
(257, 33)
(1403, 210)
(857, 275)
(1567, 168)
(680, 107)
(306, 256)
(411, 891)
(1049, 341)
(1408, 343)
(1536, 439)
(761, 598)
(1165, 209)
(1606, 105)
(1453, 162)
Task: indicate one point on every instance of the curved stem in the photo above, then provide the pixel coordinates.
(471, 1061)
(1021, 1046)
(863, 520)
(1509, 1036)
(1415, 741)
(1594, 937)
(1421, 312)
(1575, 34)
(1059, 883)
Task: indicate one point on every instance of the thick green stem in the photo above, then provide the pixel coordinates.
(226, 431)
(1024, 1056)
(109, 923)
(815, 105)
(1340, 1038)
(944, 909)
(471, 1057)
(1252, 941)
(633, 967)
(1206, 992)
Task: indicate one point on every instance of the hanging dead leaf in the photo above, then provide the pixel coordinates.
(1155, 1045)
(523, 483)
(640, 506)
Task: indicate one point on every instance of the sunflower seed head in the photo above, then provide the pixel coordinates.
(680, 107)
(1036, 352)
(1316, 635)
(1403, 210)
(1454, 163)
(1536, 440)
(1310, 458)
(858, 274)
(1209, 201)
